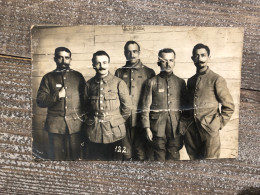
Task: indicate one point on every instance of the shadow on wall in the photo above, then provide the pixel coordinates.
(250, 191)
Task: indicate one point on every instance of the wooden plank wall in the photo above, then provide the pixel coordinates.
(226, 59)
(20, 174)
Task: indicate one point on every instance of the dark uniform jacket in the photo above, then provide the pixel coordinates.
(163, 95)
(65, 112)
(135, 77)
(205, 91)
(108, 105)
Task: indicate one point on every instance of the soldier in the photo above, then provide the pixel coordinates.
(61, 91)
(108, 106)
(134, 73)
(162, 103)
(206, 91)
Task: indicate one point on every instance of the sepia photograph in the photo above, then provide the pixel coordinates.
(135, 93)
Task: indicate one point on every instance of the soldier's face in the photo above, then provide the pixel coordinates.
(63, 60)
(200, 58)
(132, 53)
(101, 65)
(166, 62)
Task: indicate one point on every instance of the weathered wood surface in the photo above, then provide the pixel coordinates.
(19, 174)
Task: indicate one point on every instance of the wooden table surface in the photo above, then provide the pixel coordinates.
(20, 174)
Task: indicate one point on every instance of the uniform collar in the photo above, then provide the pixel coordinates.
(62, 70)
(164, 74)
(137, 65)
(202, 73)
(105, 79)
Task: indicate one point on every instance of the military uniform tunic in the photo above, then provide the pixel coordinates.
(162, 104)
(206, 91)
(135, 76)
(64, 115)
(108, 105)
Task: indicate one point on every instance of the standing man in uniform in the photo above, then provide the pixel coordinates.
(206, 92)
(134, 73)
(108, 106)
(162, 104)
(62, 93)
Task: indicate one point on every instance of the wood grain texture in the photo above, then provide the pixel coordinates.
(20, 174)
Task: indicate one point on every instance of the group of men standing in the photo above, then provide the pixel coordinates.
(134, 114)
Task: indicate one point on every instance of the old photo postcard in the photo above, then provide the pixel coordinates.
(135, 93)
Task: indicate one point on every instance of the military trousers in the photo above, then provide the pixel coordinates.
(136, 144)
(168, 146)
(200, 144)
(65, 146)
(100, 151)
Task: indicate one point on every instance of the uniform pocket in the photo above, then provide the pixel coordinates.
(154, 121)
(155, 115)
(117, 122)
(112, 101)
(212, 122)
(118, 129)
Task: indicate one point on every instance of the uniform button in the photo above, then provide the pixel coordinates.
(168, 87)
(195, 114)
(66, 87)
(66, 107)
(64, 77)
(169, 102)
(101, 102)
(132, 79)
(195, 105)
(101, 108)
(101, 83)
(66, 97)
(65, 117)
(132, 71)
(101, 89)
(96, 113)
(168, 94)
(101, 95)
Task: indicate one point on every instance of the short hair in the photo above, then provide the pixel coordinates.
(59, 49)
(100, 53)
(131, 42)
(166, 50)
(200, 46)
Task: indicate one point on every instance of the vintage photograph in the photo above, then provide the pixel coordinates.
(135, 93)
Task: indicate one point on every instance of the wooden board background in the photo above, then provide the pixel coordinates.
(19, 174)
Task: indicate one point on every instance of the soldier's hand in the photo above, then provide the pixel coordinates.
(62, 93)
(149, 134)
